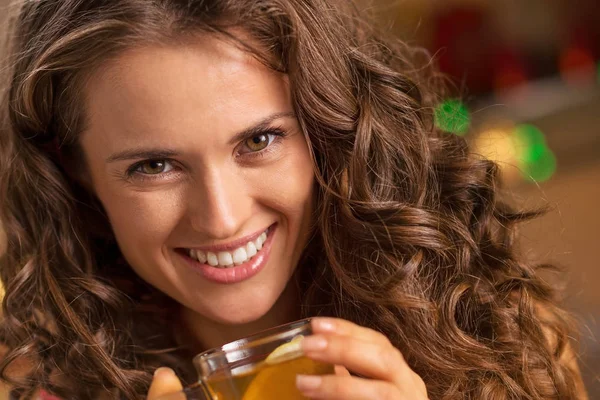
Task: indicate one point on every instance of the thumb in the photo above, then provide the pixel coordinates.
(164, 382)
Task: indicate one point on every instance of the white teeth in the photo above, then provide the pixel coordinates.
(201, 256)
(251, 249)
(212, 259)
(239, 256)
(225, 259)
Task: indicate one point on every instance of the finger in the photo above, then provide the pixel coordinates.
(347, 328)
(164, 382)
(340, 370)
(364, 358)
(346, 388)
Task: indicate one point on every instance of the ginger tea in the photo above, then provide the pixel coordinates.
(266, 381)
(260, 367)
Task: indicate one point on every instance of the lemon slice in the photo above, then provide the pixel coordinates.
(285, 352)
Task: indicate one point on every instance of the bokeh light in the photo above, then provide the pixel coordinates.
(536, 161)
(521, 152)
(531, 143)
(509, 77)
(577, 65)
(542, 169)
(453, 116)
(510, 69)
(500, 145)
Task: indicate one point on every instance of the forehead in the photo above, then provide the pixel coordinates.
(206, 82)
(208, 54)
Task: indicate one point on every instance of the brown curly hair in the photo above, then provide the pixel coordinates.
(410, 237)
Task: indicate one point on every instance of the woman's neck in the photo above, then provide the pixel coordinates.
(200, 333)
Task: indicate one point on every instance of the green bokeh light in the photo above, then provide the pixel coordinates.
(538, 162)
(542, 169)
(531, 143)
(452, 116)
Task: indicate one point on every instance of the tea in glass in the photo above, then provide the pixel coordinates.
(261, 367)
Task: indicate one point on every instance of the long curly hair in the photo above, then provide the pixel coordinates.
(410, 236)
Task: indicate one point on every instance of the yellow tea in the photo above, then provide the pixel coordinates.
(260, 367)
(266, 380)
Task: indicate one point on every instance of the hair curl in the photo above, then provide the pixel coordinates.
(410, 237)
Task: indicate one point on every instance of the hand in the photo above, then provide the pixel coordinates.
(164, 382)
(363, 351)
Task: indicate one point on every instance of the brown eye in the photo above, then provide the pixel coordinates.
(154, 167)
(258, 142)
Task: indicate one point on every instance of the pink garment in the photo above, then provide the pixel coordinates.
(47, 396)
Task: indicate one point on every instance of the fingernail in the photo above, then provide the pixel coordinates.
(164, 372)
(314, 343)
(308, 383)
(323, 325)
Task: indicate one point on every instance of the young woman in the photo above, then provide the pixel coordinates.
(179, 174)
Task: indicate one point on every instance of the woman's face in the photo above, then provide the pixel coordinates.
(195, 153)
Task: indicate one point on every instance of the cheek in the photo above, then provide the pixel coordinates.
(288, 187)
(291, 193)
(142, 220)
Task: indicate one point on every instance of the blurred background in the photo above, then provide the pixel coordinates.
(527, 75)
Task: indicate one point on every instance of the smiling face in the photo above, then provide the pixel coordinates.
(194, 152)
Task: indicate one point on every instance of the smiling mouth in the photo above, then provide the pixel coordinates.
(228, 259)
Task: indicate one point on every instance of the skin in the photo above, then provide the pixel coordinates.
(191, 100)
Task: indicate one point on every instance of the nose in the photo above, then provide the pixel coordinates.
(219, 205)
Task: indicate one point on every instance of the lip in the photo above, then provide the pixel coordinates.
(231, 245)
(238, 273)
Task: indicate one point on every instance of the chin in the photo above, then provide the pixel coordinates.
(238, 315)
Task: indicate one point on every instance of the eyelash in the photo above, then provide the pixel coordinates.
(279, 133)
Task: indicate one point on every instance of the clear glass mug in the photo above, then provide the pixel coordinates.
(260, 367)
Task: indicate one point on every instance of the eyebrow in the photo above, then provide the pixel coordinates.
(149, 153)
(135, 154)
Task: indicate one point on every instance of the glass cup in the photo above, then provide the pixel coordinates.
(260, 367)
